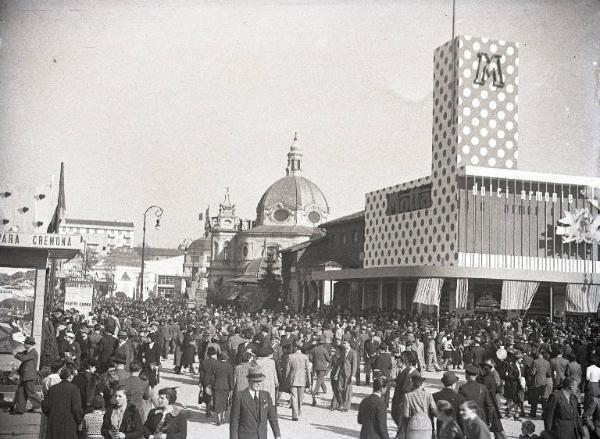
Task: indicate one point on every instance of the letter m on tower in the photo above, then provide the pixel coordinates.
(489, 67)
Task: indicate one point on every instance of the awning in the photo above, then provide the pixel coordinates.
(517, 294)
(582, 298)
(428, 291)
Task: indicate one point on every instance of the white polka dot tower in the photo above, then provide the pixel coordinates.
(474, 123)
(486, 101)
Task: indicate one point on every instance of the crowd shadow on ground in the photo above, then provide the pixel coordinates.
(346, 432)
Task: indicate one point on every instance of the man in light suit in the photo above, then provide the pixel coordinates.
(348, 363)
(251, 409)
(27, 376)
(296, 373)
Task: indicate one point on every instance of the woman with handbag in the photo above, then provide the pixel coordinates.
(166, 421)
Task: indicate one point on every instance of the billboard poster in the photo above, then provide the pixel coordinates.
(16, 307)
(79, 294)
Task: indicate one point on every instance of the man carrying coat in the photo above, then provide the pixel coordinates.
(27, 376)
(251, 409)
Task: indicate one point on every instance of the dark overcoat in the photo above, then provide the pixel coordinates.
(62, 406)
(561, 416)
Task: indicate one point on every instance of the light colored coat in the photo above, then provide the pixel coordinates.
(297, 370)
(267, 366)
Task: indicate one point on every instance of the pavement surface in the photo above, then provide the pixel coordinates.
(315, 422)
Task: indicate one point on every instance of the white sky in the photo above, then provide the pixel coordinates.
(168, 103)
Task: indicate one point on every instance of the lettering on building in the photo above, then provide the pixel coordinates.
(409, 200)
(489, 67)
(500, 192)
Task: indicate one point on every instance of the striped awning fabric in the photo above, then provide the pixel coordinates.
(462, 293)
(428, 291)
(583, 298)
(517, 294)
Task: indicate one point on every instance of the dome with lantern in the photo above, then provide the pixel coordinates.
(292, 200)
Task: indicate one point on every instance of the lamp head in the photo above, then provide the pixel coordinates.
(157, 226)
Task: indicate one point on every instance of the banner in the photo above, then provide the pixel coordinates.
(517, 294)
(583, 298)
(79, 295)
(428, 291)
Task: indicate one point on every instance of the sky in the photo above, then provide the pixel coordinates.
(170, 102)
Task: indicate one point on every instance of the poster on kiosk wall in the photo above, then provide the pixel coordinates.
(79, 294)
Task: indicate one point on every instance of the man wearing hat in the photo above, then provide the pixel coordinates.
(473, 391)
(250, 410)
(296, 372)
(125, 348)
(320, 358)
(345, 371)
(27, 376)
(448, 393)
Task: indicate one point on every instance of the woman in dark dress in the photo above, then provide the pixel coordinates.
(222, 386)
(189, 350)
(166, 421)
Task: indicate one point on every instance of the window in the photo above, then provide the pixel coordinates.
(216, 250)
(272, 251)
(314, 217)
(226, 251)
(281, 215)
(245, 251)
(355, 237)
(166, 280)
(344, 239)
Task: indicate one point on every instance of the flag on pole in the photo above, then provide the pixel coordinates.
(61, 208)
(429, 291)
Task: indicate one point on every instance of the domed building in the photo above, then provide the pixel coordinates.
(288, 213)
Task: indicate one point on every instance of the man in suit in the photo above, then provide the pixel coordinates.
(406, 366)
(62, 406)
(345, 372)
(251, 409)
(473, 391)
(448, 393)
(207, 371)
(86, 380)
(296, 373)
(370, 352)
(137, 390)
(541, 371)
(383, 363)
(561, 416)
(125, 348)
(372, 412)
(105, 348)
(558, 366)
(320, 358)
(27, 376)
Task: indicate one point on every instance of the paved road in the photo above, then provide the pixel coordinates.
(316, 422)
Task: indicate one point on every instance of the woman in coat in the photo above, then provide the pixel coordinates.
(418, 410)
(178, 352)
(166, 421)
(188, 350)
(222, 386)
(270, 383)
(122, 421)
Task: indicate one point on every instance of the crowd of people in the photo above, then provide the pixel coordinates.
(106, 381)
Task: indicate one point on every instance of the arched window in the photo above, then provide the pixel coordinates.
(245, 251)
(226, 251)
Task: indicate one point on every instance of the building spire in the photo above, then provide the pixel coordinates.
(294, 166)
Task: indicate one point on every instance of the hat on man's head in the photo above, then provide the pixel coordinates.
(528, 427)
(449, 378)
(29, 340)
(471, 369)
(120, 358)
(255, 374)
(487, 363)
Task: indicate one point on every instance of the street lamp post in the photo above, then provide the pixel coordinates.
(158, 211)
(185, 246)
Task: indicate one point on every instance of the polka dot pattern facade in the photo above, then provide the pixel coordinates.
(471, 133)
(487, 115)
